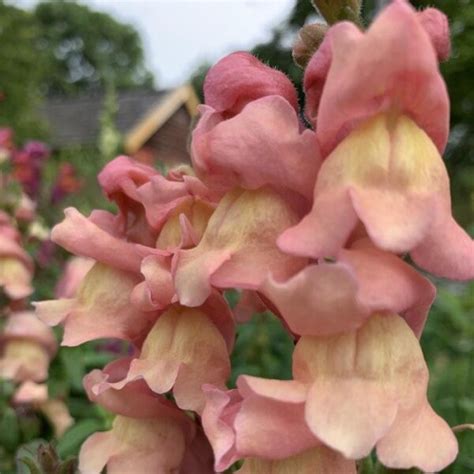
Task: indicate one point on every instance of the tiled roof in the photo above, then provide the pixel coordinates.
(76, 121)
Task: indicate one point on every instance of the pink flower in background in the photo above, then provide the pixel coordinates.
(16, 266)
(26, 345)
(28, 165)
(55, 410)
(66, 183)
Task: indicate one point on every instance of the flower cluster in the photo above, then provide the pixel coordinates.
(313, 224)
(27, 345)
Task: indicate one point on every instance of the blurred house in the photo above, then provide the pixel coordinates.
(154, 125)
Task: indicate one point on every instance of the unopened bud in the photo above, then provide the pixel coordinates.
(338, 10)
(309, 39)
(47, 458)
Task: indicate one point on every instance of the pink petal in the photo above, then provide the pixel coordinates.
(25, 325)
(319, 300)
(419, 438)
(270, 422)
(76, 233)
(183, 351)
(447, 251)
(244, 151)
(157, 291)
(135, 399)
(393, 64)
(240, 78)
(360, 381)
(31, 392)
(436, 24)
(101, 309)
(350, 415)
(217, 420)
(238, 247)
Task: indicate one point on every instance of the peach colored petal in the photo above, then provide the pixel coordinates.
(436, 24)
(74, 272)
(101, 308)
(419, 438)
(135, 399)
(360, 380)
(447, 251)
(157, 291)
(15, 278)
(319, 300)
(217, 419)
(57, 412)
(185, 225)
(398, 187)
(350, 415)
(26, 326)
(183, 351)
(393, 64)
(95, 452)
(162, 196)
(76, 233)
(31, 392)
(240, 78)
(271, 420)
(238, 247)
(329, 298)
(134, 445)
(244, 151)
(23, 360)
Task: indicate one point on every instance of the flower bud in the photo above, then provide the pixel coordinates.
(338, 10)
(309, 39)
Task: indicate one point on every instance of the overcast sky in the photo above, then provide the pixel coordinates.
(178, 35)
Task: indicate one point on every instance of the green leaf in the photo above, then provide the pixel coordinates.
(70, 443)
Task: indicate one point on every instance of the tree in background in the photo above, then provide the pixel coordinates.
(62, 48)
(83, 48)
(21, 71)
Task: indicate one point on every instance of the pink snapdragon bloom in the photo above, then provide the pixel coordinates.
(185, 349)
(238, 248)
(352, 391)
(28, 166)
(234, 144)
(16, 266)
(131, 283)
(55, 410)
(27, 345)
(149, 433)
(66, 183)
(382, 121)
(100, 309)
